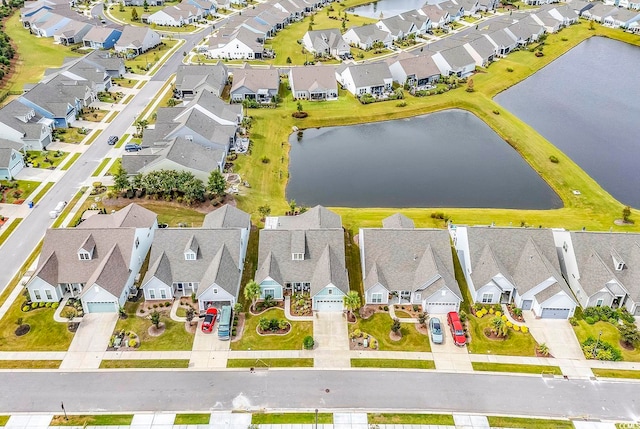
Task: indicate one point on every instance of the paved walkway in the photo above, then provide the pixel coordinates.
(90, 341)
(288, 315)
(331, 335)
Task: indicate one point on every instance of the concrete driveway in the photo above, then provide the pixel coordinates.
(447, 356)
(557, 334)
(90, 342)
(208, 350)
(331, 337)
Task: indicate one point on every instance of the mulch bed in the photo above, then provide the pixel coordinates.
(203, 207)
(538, 354)
(408, 308)
(191, 327)
(148, 308)
(351, 318)
(72, 327)
(358, 344)
(279, 304)
(156, 332)
(422, 329)
(22, 330)
(395, 337)
(239, 328)
(513, 316)
(492, 335)
(626, 345)
(277, 332)
(366, 311)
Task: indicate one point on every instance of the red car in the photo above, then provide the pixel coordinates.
(456, 329)
(209, 319)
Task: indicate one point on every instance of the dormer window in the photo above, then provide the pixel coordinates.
(565, 246)
(84, 256)
(189, 256)
(297, 256)
(620, 266)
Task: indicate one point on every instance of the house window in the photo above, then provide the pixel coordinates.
(48, 294)
(330, 291)
(189, 256)
(599, 303)
(487, 297)
(620, 266)
(297, 256)
(269, 292)
(376, 298)
(418, 296)
(215, 290)
(84, 256)
(163, 293)
(152, 294)
(36, 293)
(137, 242)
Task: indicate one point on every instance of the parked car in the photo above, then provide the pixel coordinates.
(112, 140)
(436, 330)
(456, 328)
(209, 319)
(132, 147)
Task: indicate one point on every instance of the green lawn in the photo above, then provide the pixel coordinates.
(516, 344)
(96, 115)
(508, 367)
(23, 269)
(392, 363)
(616, 373)
(171, 215)
(402, 314)
(45, 159)
(250, 263)
(68, 208)
(379, 327)
(271, 363)
(352, 258)
(122, 140)
(144, 363)
(610, 334)
(100, 167)
(42, 192)
(22, 192)
(4, 420)
(69, 163)
(70, 135)
(92, 420)
(151, 57)
(528, 423)
(291, 418)
(410, 419)
(291, 341)
(45, 334)
(192, 419)
(175, 337)
(30, 364)
(93, 137)
(6, 231)
(35, 54)
(125, 83)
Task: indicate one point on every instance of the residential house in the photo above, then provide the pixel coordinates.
(417, 72)
(98, 261)
(598, 12)
(11, 159)
(326, 43)
(368, 78)
(405, 265)
(193, 78)
(207, 7)
(136, 40)
(304, 254)
(421, 22)
(46, 23)
(206, 261)
(140, 3)
(503, 41)
(481, 49)
(242, 44)
(294, 8)
(258, 84)
(101, 37)
(397, 27)
(176, 15)
(455, 61)
(438, 18)
(22, 124)
(455, 10)
(315, 83)
(366, 36)
(526, 31)
(72, 32)
(514, 265)
(621, 18)
(602, 269)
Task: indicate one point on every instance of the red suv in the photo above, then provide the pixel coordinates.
(456, 329)
(209, 319)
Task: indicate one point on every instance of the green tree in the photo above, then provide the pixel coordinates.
(121, 179)
(192, 190)
(172, 102)
(264, 211)
(145, 5)
(470, 85)
(292, 205)
(264, 324)
(395, 326)
(629, 334)
(155, 318)
(138, 182)
(252, 293)
(191, 313)
(141, 125)
(626, 213)
(216, 183)
(499, 326)
(299, 107)
(352, 301)
(134, 14)
(308, 342)
(288, 60)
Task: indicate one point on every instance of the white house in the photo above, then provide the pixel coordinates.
(242, 44)
(11, 159)
(366, 36)
(136, 40)
(326, 43)
(369, 78)
(315, 83)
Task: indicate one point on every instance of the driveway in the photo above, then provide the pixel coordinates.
(331, 337)
(557, 334)
(208, 350)
(447, 356)
(90, 342)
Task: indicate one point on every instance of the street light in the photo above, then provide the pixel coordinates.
(595, 349)
(64, 411)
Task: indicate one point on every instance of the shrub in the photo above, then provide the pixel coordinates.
(357, 333)
(509, 324)
(34, 305)
(402, 104)
(496, 112)
(589, 320)
(516, 328)
(386, 308)
(504, 317)
(554, 159)
(463, 316)
(234, 331)
(265, 160)
(167, 304)
(133, 343)
(600, 350)
(573, 321)
(491, 311)
(26, 308)
(416, 307)
(308, 342)
(517, 311)
(509, 69)
(498, 313)
(155, 305)
(524, 329)
(41, 305)
(55, 305)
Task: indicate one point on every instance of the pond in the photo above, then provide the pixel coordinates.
(587, 103)
(445, 159)
(387, 8)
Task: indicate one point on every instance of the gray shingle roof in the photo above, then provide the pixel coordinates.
(255, 78)
(314, 78)
(314, 218)
(369, 74)
(223, 271)
(193, 77)
(133, 36)
(398, 221)
(227, 216)
(111, 274)
(131, 216)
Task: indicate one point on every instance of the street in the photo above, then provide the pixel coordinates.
(180, 390)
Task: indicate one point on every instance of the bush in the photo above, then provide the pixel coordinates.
(41, 305)
(167, 304)
(386, 308)
(509, 324)
(509, 69)
(573, 321)
(600, 350)
(554, 159)
(48, 304)
(496, 112)
(308, 342)
(416, 307)
(402, 104)
(516, 328)
(26, 308)
(589, 320)
(55, 305)
(524, 329)
(133, 343)
(463, 316)
(34, 305)
(234, 331)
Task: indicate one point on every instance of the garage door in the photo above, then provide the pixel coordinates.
(555, 313)
(329, 305)
(102, 307)
(440, 307)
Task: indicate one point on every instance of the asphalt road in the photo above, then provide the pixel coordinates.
(130, 391)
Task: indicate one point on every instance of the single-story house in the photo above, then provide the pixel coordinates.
(72, 33)
(22, 124)
(136, 40)
(366, 36)
(326, 43)
(101, 37)
(11, 159)
(259, 84)
(368, 78)
(455, 61)
(241, 44)
(397, 27)
(438, 18)
(405, 265)
(418, 72)
(193, 78)
(313, 83)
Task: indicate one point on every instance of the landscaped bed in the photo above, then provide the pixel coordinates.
(16, 191)
(252, 340)
(610, 335)
(514, 344)
(45, 159)
(379, 326)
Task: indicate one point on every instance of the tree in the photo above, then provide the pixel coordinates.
(395, 327)
(145, 5)
(216, 183)
(252, 292)
(344, 25)
(470, 85)
(626, 213)
(352, 301)
(288, 60)
(138, 182)
(264, 324)
(629, 334)
(155, 318)
(299, 107)
(141, 125)
(172, 102)
(191, 313)
(499, 326)
(308, 342)
(264, 211)
(422, 318)
(134, 14)
(292, 205)
(121, 179)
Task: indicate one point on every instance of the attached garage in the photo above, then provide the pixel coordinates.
(555, 313)
(328, 305)
(102, 307)
(440, 307)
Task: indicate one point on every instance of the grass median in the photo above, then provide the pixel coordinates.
(516, 368)
(392, 363)
(6, 230)
(271, 363)
(144, 363)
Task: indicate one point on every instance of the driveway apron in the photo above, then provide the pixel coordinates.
(331, 338)
(90, 342)
(447, 356)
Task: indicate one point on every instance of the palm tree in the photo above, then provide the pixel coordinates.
(252, 292)
(352, 301)
(543, 349)
(141, 125)
(499, 326)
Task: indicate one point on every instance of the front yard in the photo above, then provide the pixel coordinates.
(145, 62)
(378, 326)
(69, 135)
(610, 334)
(251, 340)
(16, 191)
(515, 343)
(45, 159)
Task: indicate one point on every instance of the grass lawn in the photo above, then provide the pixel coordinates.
(508, 367)
(144, 363)
(392, 363)
(528, 423)
(145, 62)
(410, 419)
(42, 192)
(30, 364)
(252, 340)
(172, 215)
(20, 273)
(96, 115)
(271, 363)
(45, 334)
(125, 14)
(192, 419)
(175, 337)
(354, 268)
(146, 111)
(250, 264)
(402, 314)
(73, 159)
(45, 159)
(92, 420)
(69, 135)
(6, 231)
(124, 82)
(24, 189)
(4, 420)
(291, 418)
(35, 54)
(101, 166)
(516, 344)
(379, 327)
(616, 373)
(93, 137)
(68, 208)
(610, 335)
(122, 140)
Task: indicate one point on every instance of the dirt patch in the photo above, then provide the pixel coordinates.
(202, 207)
(395, 337)
(22, 330)
(369, 310)
(422, 329)
(358, 343)
(156, 332)
(351, 318)
(626, 345)
(239, 328)
(622, 222)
